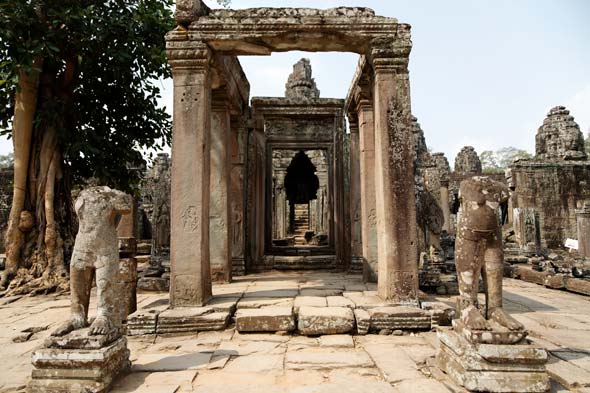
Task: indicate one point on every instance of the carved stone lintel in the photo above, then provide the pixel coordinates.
(390, 55)
(189, 10)
(186, 55)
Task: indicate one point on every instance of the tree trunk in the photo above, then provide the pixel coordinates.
(41, 223)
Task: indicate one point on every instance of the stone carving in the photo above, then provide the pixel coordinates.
(190, 219)
(300, 84)
(487, 350)
(479, 250)
(467, 161)
(560, 137)
(96, 251)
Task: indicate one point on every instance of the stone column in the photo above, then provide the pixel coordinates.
(220, 210)
(444, 204)
(237, 197)
(394, 174)
(190, 277)
(583, 223)
(355, 195)
(367, 183)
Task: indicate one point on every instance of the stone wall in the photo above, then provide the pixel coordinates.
(553, 188)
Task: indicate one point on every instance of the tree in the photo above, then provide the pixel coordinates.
(497, 161)
(6, 161)
(587, 142)
(79, 81)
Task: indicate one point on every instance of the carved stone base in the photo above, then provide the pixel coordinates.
(67, 370)
(497, 335)
(490, 367)
(185, 320)
(400, 317)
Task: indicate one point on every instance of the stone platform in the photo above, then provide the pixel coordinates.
(78, 363)
(328, 303)
(491, 367)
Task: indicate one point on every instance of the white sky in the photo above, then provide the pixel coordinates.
(483, 73)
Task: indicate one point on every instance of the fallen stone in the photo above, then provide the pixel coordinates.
(399, 317)
(363, 321)
(267, 319)
(191, 319)
(325, 320)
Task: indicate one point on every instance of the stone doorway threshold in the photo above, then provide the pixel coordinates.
(308, 303)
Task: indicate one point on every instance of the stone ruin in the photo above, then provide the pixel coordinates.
(467, 161)
(300, 84)
(547, 207)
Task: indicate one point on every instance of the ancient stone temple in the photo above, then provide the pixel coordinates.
(268, 184)
(549, 187)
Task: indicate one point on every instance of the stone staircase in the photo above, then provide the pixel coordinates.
(301, 223)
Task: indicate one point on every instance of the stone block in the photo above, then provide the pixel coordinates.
(326, 358)
(80, 339)
(363, 321)
(183, 320)
(325, 320)
(312, 301)
(78, 370)
(143, 322)
(555, 281)
(527, 274)
(337, 341)
(399, 317)
(492, 368)
(267, 319)
(339, 301)
(156, 284)
(577, 285)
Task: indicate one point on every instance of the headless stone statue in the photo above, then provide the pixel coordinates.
(96, 252)
(478, 251)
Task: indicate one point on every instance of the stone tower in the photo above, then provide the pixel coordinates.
(467, 161)
(300, 84)
(560, 138)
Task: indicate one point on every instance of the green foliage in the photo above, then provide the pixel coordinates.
(102, 63)
(497, 161)
(6, 161)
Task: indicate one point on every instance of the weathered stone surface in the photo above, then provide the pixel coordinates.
(339, 301)
(267, 319)
(81, 339)
(78, 370)
(363, 321)
(96, 249)
(191, 319)
(492, 368)
(325, 320)
(399, 317)
(467, 161)
(312, 301)
(560, 137)
(337, 341)
(300, 84)
(325, 358)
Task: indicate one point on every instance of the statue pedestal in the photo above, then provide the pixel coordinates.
(78, 363)
(481, 367)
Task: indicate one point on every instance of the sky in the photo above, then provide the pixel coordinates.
(483, 73)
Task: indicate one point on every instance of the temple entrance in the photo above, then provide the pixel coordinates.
(301, 209)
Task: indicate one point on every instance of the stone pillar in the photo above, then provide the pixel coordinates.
(367, 184)
(394, 175)
(220, 210)
(583, 223)
(190, 276)
(355, 195)
(444, 203)
(237, 197)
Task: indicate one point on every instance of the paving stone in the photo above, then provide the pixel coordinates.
(372, 386)
(255, 292)
(243, 348)
(324, 292)
(393, 362)
(313, 301)
(224, 304)
(337, 341)
(567, 374)
(326, 358)
(325, 320)
(267, 319)
(339, 301)
(169, 361)
(422, 385)
(255, 364)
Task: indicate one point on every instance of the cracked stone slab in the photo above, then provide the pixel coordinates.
(325, 320)
(267, 319)
(326, 358)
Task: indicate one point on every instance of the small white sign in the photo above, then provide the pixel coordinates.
(571, 244)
